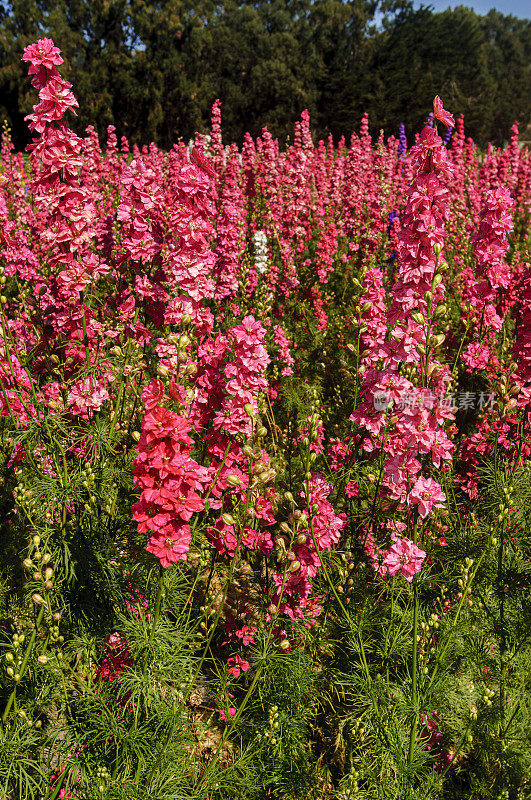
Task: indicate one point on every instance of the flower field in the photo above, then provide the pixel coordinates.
(264, 464)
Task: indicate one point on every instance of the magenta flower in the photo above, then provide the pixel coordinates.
(439, 113)
(237, 665)
(427, 493)
(42, 54)
(405, 557)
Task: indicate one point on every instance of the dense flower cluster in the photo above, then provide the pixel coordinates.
(171, 481)
(316, 351)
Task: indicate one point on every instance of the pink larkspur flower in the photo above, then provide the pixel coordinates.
(441, 114)
(428, 494)
(404, 556)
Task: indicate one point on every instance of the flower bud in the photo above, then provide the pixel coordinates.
(163, 370)
(284, 644)
(228, 519)
(27, 563)
(42, 659)
(233, 480)
(37, 599)
(249, 410)
(436, 341)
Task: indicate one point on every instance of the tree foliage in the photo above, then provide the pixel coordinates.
(153, 68)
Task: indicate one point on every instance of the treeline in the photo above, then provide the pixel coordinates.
(153, 68)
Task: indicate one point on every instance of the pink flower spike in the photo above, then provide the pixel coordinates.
(439, 113)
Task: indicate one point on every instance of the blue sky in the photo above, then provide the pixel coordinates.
(518, 8)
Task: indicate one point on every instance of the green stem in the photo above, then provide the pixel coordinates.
(503, 635)
(157, 604)
(27, 654)
(345, 612)
(414, 661)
